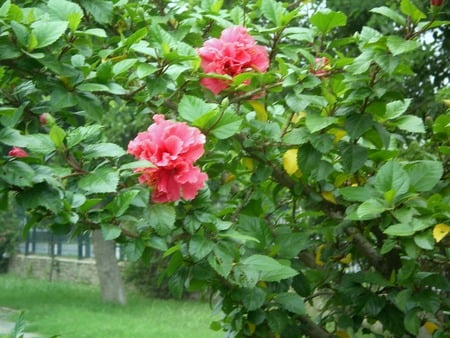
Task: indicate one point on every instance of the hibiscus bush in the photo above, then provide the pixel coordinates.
(272, 161)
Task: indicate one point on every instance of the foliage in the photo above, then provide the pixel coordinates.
(327, 205)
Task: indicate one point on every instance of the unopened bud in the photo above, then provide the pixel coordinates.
(47, 119)
(436, 6)
(17, 152)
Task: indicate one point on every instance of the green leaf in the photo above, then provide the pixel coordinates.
(269, 269)
(252, 298)
(291, 302)
(398, 45)
(396, 108)
(326, 19)
(57, 135)
(98, 32)
(370, 209)
(227, 126)
(41, 194)
(162, 218)
(358, 124)
(134, 249)
(356, 194)
(354, 156)
(316, 122)
(410, 123)
(17, 173)
(399, 230)
(442, 125)
(101, 10)
(221, 260)
(102, 180)
(412, 322)
(122, 66)
(391, 14)
(200, 247)
(65, 11)
(110, 232)
(424, 175)
(425, 240)
(290, 244)
(409, 9)
(82, 133)
(391, 176)
(13, 137)
(192, 108)
(47, 32)
(273, 11)
(21, 32)
(121, 202)
(102, 150)
(307, 158)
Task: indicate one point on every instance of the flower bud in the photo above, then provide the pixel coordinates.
(436, 6)
(47, 119)
(17, 152)
(321, 67)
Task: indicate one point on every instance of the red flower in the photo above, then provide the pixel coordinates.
(17, 152)
(233, 53)
(172, 147)
(436, 2)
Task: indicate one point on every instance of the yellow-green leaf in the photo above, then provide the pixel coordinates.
(440, 231)
(290, 161)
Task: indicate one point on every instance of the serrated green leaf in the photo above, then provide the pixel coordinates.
(192, 108)
(110, 232)
(370, 209)
(390, 13)
(122, 66)
(269, 269)
(410, 123)
(291, 302)
(102, 180)
(162, 218)
(326, 19)
(316, 122)
(273, 11)
(121, 202)
(103, 150)
(391, 176)
(17, 173)
(354, 156)
(398, 45)
(82, 133)
(228, 125)
(424, 175)
(408, 8)
(134, 249)
(47, 32)
(199, 247)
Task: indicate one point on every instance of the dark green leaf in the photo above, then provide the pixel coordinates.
(103, 150)
(200, 247)
(354, 156)
(424, 175)
(291, 302)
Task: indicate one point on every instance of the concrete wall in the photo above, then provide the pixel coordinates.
(64, 269)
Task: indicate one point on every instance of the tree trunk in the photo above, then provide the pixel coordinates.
(111, 283)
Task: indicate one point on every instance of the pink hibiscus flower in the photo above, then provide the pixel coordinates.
(172, 147)
(182, 180)
(166, 141)
(17, 152)
(233, 53)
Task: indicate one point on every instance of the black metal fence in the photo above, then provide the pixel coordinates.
(44, 242)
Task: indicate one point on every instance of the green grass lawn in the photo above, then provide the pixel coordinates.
(76, 311)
